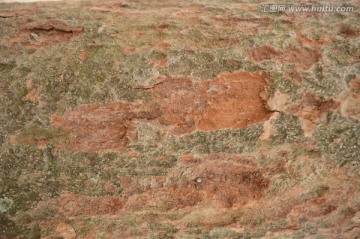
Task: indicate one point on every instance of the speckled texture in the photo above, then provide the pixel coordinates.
(178, 119)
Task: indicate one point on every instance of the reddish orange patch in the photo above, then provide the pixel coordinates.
(162, 26)
(129, 50)
(100, 127)
(227, 180)
(83, 55)
(355, 83)
(32, 97)
(159, 63)
(309, 110)
(262, 53)
(348, 31)
(309, 42)
(43, 33)
(76, 205)
(230, 101)
(163, 46)
(303, 58)
(232, 180)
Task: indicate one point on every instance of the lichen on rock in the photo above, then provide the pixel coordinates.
(178, 119)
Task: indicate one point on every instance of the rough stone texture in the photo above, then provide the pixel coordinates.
(42, 33)
(178, 119)
(230, 101)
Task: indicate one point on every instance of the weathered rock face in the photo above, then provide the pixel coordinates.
(100, 127)
(300, 57)
(231, 180)
(230, 101)
(42, 33)
(178, 119)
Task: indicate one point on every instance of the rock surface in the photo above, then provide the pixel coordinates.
(178, 119)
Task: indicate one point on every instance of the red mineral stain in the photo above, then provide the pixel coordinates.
(163, 46)
(262, 53)
(162, 27)
(310, 42)
(43, 33)
(32, 97)
(302, 58)
(347, 31)
(77, 205)
(227, 180)
(158, 63)
(84, 55)
(101, 127)
(310, 109)
(355, 84)
(230, 101)
(129, 50)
